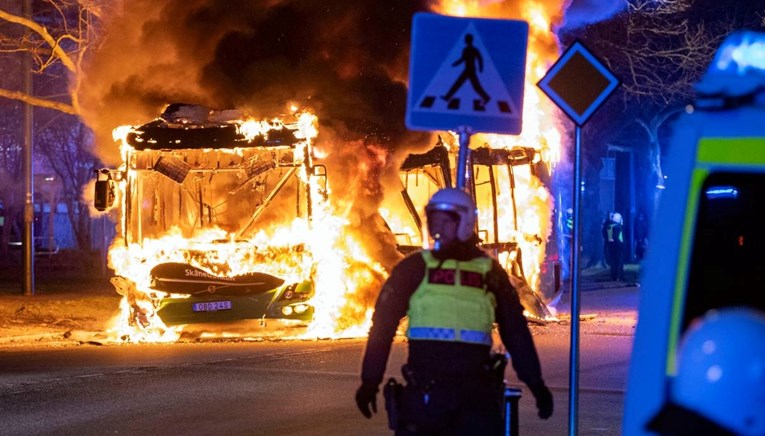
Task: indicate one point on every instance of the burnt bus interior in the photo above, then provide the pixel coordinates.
(494, 175)
(178, 178)
(200, 176)
(492, 169)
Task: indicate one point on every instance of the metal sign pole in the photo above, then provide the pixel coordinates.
(462, 158)
(28, 266)
(573, 393)
(576, 64)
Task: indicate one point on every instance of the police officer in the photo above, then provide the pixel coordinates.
(452, 295)
(615, 246)
(719, 388)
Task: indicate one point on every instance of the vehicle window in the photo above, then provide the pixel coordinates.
(224, 191)
(400, 220)
(727, 258)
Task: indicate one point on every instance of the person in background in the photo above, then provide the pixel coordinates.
(596, 252)
(452, 294)
(614, 239)
(604, 232)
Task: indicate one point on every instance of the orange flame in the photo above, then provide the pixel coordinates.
(542, 129)
(317, 249)
(321, 249)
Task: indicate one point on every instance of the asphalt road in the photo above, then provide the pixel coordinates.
(297, 387)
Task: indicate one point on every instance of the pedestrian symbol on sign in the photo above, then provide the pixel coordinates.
(466, 74)
(468, 62)
(470, 57)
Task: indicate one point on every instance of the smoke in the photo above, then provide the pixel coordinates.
(344, 60)
(583, 12)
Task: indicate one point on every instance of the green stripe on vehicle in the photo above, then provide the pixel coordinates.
(737, 151)
(683, 261)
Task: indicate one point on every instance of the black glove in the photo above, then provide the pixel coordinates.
(366, 396)
(544, 399)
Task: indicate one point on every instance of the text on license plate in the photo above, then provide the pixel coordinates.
(211, 306)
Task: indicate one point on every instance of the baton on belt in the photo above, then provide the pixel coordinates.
(393, 393)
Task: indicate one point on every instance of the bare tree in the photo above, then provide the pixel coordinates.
(660, 49)
(668, 51)
(62, 143)
(58, 35)
(11, 193)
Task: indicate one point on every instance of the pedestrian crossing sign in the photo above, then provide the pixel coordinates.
(466, 73)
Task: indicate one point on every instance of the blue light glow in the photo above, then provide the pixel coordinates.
(738, 68)
(716, 192)
(742, 54)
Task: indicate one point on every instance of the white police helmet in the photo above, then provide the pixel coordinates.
(721, 370)
(617, 218)
(458, 202)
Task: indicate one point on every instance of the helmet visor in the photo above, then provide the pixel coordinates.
(446, 207)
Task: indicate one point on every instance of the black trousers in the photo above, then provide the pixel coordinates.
(616, 260)
(470, 408)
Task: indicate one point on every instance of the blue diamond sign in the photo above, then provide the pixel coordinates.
(578, 83)
(466, 72)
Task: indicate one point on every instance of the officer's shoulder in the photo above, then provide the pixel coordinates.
(412, 260)
(413, 256)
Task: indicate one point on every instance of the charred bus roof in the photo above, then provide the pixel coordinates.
(184, 126)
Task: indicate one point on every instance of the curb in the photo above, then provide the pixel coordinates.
(591, 286)
(39, 337)
(64, 338)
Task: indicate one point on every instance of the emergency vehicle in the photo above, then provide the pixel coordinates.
(708, 233)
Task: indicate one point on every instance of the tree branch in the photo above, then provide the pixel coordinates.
(39, 102)
(44, 34)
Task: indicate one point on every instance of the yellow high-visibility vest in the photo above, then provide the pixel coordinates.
(452, 303)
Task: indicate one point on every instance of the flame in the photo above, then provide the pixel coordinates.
(322, 249)
(542, 129)
(318, 249)
(119, 135)
(252, 128)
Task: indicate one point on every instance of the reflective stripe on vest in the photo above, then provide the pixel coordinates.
(445, 334)
(452, 304)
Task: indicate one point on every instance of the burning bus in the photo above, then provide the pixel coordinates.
(197, 196)
(222, 219)
(507, 188)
